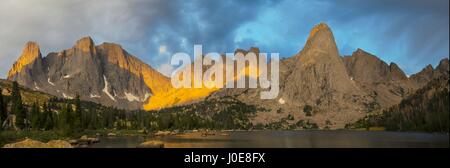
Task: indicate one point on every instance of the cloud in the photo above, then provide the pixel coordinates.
(56, 25)
(140, 26)
(412, 33)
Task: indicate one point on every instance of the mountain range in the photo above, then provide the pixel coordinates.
(339, 89)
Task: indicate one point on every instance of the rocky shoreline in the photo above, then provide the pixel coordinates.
(30, 143)
(85, 140)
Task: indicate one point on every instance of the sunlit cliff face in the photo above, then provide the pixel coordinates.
(177, 96)
(30, 53)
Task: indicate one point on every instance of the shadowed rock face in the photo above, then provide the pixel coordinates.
(317, 75)
(367, 68)
(428, 73)
(387, 84)
(105, 74)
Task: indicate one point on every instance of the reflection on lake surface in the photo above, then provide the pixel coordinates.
(288, 139)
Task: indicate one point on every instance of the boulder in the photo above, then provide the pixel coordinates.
(162, 133)
(29, 143)
(73, 141)
(88, 140)
(84, 138)
(59, 144)
(151, 144)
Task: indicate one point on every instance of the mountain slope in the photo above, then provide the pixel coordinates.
(105, 74)
(28, 96)
(425, 110)
(421, 78)
(387, 84)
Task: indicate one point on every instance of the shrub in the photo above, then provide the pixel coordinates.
(307, 109)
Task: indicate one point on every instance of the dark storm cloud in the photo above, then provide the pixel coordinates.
(210, 23)
(418, 27)
(412, 33)
(141, 26)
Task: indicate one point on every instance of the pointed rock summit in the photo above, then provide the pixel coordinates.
(321, 39)
(428, 73)
(396, 73)
(317, 76)
(85, 44)
(443, 66)
(30, 53)
(424, 76)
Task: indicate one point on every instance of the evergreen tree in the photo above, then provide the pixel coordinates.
(48, 124)
(64, 124)
(3, 112)
(69, 117)
(307, 110)
(42, 117)
(35, 116)
(78, 114)
(17, 106)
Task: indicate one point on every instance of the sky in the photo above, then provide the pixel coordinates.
(411, 33)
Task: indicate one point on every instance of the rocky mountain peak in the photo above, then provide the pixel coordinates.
(319, 28)
(428, 73)
(424, 76)
(364, 55)
(396, 73)
(360, 50)
(365, 67)
(85, 44)
(320, 45)
(30, 53)
(443, 65)
(317, 75)
(429, 68)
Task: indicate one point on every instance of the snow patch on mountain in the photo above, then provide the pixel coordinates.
(94, 96)
(51, 83)
(146, 96)
(130, 97)
(66, 76)
(105, 90)
(281, 101)
(36, 87)
(66, 96)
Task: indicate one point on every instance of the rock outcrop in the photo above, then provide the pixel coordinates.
(29, 143)
(428, 73)
(151, 144)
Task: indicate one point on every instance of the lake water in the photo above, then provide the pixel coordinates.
(289, 139)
